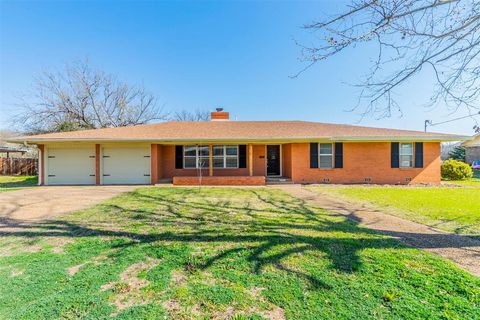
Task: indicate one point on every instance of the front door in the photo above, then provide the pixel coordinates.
(273, 160)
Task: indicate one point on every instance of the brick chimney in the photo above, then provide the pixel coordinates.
(219, 115)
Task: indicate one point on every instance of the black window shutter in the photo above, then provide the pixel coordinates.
(242, 156)
(338, 155)
(418, 154)
(178, 157)
(313, 155)
(395, 155)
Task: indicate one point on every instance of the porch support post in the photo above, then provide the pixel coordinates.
(250, 159)
(41, 164)
(210, 160)
(97, 164)
(154, 164)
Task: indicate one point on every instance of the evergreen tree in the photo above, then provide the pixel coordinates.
(458, 153)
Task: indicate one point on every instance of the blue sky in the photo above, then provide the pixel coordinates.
(234, 54)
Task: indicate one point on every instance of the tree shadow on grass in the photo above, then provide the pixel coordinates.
(294, 229)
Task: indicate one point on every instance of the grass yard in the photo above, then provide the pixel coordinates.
(221, 253)
(8, 183)
(451, 209)
(473, 182)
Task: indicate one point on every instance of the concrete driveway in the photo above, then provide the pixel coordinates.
(39, 203)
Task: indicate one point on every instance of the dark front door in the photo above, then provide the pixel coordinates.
(273, 160)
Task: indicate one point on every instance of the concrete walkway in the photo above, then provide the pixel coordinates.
(37, 203)
(464, 251)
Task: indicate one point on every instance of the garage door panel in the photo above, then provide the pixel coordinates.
(126, 165)
(71, 166)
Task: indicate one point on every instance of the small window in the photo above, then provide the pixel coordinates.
(225, 156)
(196, 157)
(325, 155)
(406, 155)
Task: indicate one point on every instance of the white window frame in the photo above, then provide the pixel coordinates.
(225, 156)
(400, 154)
(325, 154)
(197, 156)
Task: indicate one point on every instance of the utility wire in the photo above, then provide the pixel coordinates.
(469, 116)
(431, 124)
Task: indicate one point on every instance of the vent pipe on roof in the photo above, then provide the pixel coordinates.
(220, 115)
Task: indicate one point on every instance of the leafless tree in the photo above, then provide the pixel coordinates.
(81, 97)
(410, 36)
(196, 115)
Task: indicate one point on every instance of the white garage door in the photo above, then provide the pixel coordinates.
(70, 166)
(126, 165)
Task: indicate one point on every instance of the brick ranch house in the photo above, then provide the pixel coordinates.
(223, 152)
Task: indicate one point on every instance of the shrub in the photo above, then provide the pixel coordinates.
(456, 170)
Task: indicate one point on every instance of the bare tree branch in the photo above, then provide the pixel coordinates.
(80, 97)
(196, 115)
(410, 35)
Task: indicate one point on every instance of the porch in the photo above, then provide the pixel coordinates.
(209, 164)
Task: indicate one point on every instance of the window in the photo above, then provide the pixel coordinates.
(196, 157)
(325, 155)
(406, 155)
(225, 156)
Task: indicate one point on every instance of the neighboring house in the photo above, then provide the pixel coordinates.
(9, 150)
(227, 152)
(472, 149)
(6, 151)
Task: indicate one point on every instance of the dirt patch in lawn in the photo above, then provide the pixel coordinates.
(178, 278)
(172, 306)
(97, 260)
(72, 270)
(128, 291)
(59, 244)
(274, 314)
(16, 273)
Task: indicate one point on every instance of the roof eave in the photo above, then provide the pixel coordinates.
(440, 138)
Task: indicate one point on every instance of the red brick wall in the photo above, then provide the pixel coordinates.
(259, 165)
(287, 160)
(361, 160)
(366, 160)
(159, 162)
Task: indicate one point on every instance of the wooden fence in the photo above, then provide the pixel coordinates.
(18, 166)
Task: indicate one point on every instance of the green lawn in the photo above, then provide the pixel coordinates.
(230, 253)
(451, 209)
(14, 182)
(473, 182)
